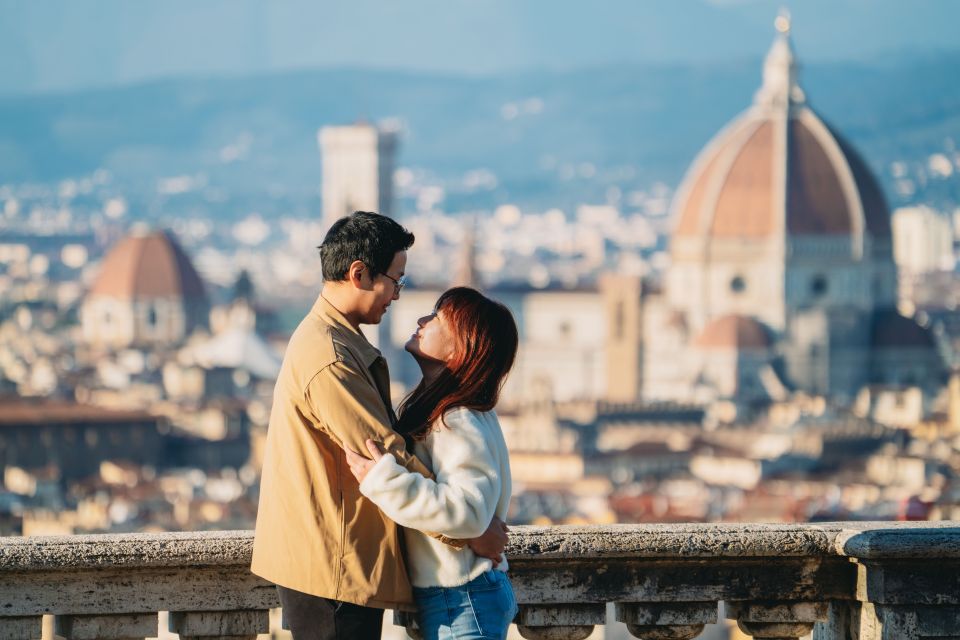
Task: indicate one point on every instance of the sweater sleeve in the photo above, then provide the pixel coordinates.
(462, 500)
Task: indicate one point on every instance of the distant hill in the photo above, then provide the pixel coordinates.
(652, 120)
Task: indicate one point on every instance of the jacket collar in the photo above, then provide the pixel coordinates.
(352, 337)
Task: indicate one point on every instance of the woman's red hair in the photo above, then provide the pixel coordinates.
(485, 347)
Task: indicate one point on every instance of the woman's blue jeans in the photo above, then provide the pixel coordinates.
(482, 609)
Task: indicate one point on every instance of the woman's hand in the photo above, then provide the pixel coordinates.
(360, 466)
(491, 544)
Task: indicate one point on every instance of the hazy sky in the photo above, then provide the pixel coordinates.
(65, 44)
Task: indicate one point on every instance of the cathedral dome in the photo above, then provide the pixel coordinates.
(779, 170)
(144, 266)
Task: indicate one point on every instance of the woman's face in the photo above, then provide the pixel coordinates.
(433, 339)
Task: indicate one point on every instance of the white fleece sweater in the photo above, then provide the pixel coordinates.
(470, 460)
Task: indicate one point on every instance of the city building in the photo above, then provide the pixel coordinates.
(358, 164)
(922, 241)
(74, 438)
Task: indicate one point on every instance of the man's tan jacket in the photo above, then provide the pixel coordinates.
(315, 532)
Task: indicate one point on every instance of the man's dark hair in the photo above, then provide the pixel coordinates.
(368, 237)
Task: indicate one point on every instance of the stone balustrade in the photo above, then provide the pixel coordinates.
(843, 581)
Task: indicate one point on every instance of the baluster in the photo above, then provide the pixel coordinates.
(666, 621)
(21, 628)
(408, 621)
(776, 620)
(121, 626)
(232, 625)
(560, 621)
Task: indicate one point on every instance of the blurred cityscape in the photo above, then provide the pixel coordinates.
(770, 339)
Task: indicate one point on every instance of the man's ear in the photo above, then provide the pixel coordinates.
(355, 274)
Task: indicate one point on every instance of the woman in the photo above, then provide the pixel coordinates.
(465, 349)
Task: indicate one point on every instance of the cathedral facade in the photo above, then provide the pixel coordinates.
(782, 273)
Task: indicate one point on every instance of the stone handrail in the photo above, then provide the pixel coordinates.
(844, 581)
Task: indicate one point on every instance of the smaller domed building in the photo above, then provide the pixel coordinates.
(732, 353)
(146, 294)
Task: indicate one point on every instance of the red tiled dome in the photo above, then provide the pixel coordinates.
(779, 169)
(144, 266)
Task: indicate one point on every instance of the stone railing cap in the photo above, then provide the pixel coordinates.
(900, 540)
(867, 540)
(672, 541)
(126, 550)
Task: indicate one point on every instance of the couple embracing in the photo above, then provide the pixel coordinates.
(362, 509)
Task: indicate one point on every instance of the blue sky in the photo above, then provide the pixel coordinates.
(65, 44)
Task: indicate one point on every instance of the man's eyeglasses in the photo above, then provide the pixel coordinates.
(398, 283)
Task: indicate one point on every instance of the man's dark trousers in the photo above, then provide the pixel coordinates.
(313, 618)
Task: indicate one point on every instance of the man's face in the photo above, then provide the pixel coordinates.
(384, 290)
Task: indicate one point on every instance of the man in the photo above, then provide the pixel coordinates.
(336, 560)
